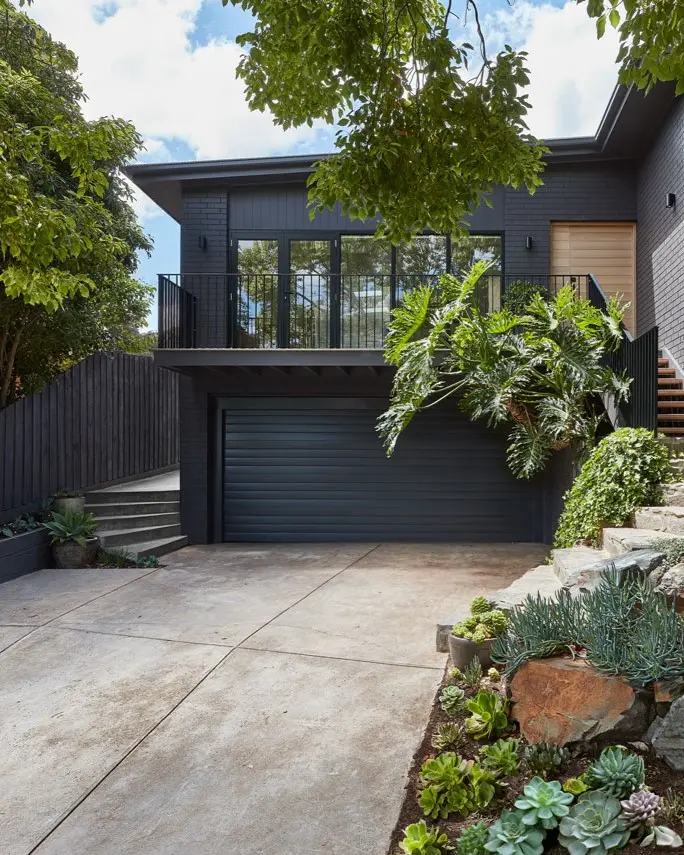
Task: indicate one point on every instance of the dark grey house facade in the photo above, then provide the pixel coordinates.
(276, 324)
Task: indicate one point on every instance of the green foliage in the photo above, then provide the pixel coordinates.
(540, 374)
(593, 826)
(617, 772)
(518, 296)
(483, 623)
(147, 561)
(452, 700)
(448, 737)
(544, 757)
(24, 523)
(576, 786)
(510, 836)
(672, 549)
(71, 526)
(472, 839)
(543, 803)
(472, 675)
(421, 840)
(627, 627)
(622, 473)
(456, 675)
(494, 675)
(488, 715)
(449, 784)
(501, 757)
(116, 558)
(68, 234)
(672, 807)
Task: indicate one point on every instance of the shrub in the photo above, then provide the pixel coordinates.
(449, 784)
(421, 840)
(622, 473)
(518, 295)
(488, 715)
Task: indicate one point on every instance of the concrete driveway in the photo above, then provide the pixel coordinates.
(241, 699)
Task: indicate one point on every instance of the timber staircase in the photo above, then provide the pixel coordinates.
(670, 399)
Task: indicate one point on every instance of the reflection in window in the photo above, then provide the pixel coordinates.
(366, 286)
(422, 260)
(310, 293)
(465, 251)
(257, 293)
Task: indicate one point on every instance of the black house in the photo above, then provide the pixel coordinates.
(276, 323)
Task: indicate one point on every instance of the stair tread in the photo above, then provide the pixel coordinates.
(673, 392)
(135, 530)
(670, 404)
(673, 431)
(162, 545)
(670, 417)
(161, 517)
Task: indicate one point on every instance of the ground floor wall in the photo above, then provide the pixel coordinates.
(467, 466)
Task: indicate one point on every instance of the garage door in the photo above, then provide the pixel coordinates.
(312, 469)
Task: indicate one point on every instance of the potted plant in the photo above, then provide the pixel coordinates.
(69, 502)
(73, 539)
(475, 635)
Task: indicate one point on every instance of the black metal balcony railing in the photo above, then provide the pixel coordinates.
(302, 310)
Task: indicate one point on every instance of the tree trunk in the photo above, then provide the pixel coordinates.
(8, 367)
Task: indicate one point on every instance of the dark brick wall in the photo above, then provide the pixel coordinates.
(205, 215)
(660, 237)
(571, 192)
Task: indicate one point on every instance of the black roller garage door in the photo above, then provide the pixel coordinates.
(313, 469)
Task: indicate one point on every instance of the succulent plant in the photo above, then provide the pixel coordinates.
(456, 675)
(452, 700)
(472, 840)
(510, 836)
(449, 784)
(419, 839)
(480, 605)
(488, 715)
(640, 807)
(576, 786)
(662, 836)
(447, 737)
(502, 756)
(472, 675)
(542, 757)
(594, 825)
(543, 803)
(617, 772)
(672, 809)
(494, 675)
(483, 622)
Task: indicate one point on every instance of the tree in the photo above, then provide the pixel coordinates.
(427, 126)
(68, 233)
(541, 372)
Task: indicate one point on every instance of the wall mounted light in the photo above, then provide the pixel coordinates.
(202, 242)
(670, 200)
(528, 242)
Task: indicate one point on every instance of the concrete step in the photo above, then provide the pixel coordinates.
(159, 547)
(123, 497)
(540, 580)
(130, 509)
(667, 518)
(123, 523)
(567, 561)
(617, 541)
(130, 536)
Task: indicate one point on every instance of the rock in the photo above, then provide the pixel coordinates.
(563, 700)
(671, 582)
(653, 729)
(673, 493)
(642, 561)
(667, 738)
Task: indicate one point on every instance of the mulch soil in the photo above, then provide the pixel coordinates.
(659, 778)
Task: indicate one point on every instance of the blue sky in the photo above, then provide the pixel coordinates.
(169, 66)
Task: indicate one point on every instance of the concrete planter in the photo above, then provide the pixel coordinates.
(24, 553)
(69, 504)
(463, 652)
(70, 555)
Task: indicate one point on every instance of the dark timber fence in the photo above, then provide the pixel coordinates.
(109, 418)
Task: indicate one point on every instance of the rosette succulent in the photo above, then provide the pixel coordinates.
(452, 700)
(594, 825)
(421, 840)
(449, 784)
(472, 840)
(447, 737)
(502, 756)
(510, 836)
(482, 623)
(543, 803)
(617, 772)
(640, 808)
(542, 757)
(488, 715)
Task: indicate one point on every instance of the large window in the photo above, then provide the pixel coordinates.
(465, 251)
(257, 293)
(366, 290)
(310, 271)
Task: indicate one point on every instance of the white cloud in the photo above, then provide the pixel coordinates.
(139, 63)
(572, 73)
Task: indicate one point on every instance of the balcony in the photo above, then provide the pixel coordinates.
(305, 311)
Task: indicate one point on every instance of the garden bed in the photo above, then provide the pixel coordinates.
(24, 553)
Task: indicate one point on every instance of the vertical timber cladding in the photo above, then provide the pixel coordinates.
(314, 469)
(608, 250)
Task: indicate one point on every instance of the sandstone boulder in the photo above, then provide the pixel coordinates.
(561, 700)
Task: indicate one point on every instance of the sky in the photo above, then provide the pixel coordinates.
(169, 67)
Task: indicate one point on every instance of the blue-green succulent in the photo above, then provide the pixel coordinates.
(543, 803)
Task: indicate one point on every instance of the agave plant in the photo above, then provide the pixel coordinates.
(593, 826)
(510, 836)
(617, 772)
(71, 526)
(488, 715)
(543, 803)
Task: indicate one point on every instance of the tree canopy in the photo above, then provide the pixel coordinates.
(68, 233)
(427, 125)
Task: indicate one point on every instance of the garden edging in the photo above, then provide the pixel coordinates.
(24, 553)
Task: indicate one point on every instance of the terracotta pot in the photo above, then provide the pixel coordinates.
(69, 504)
(70, 555)
(463, 652)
